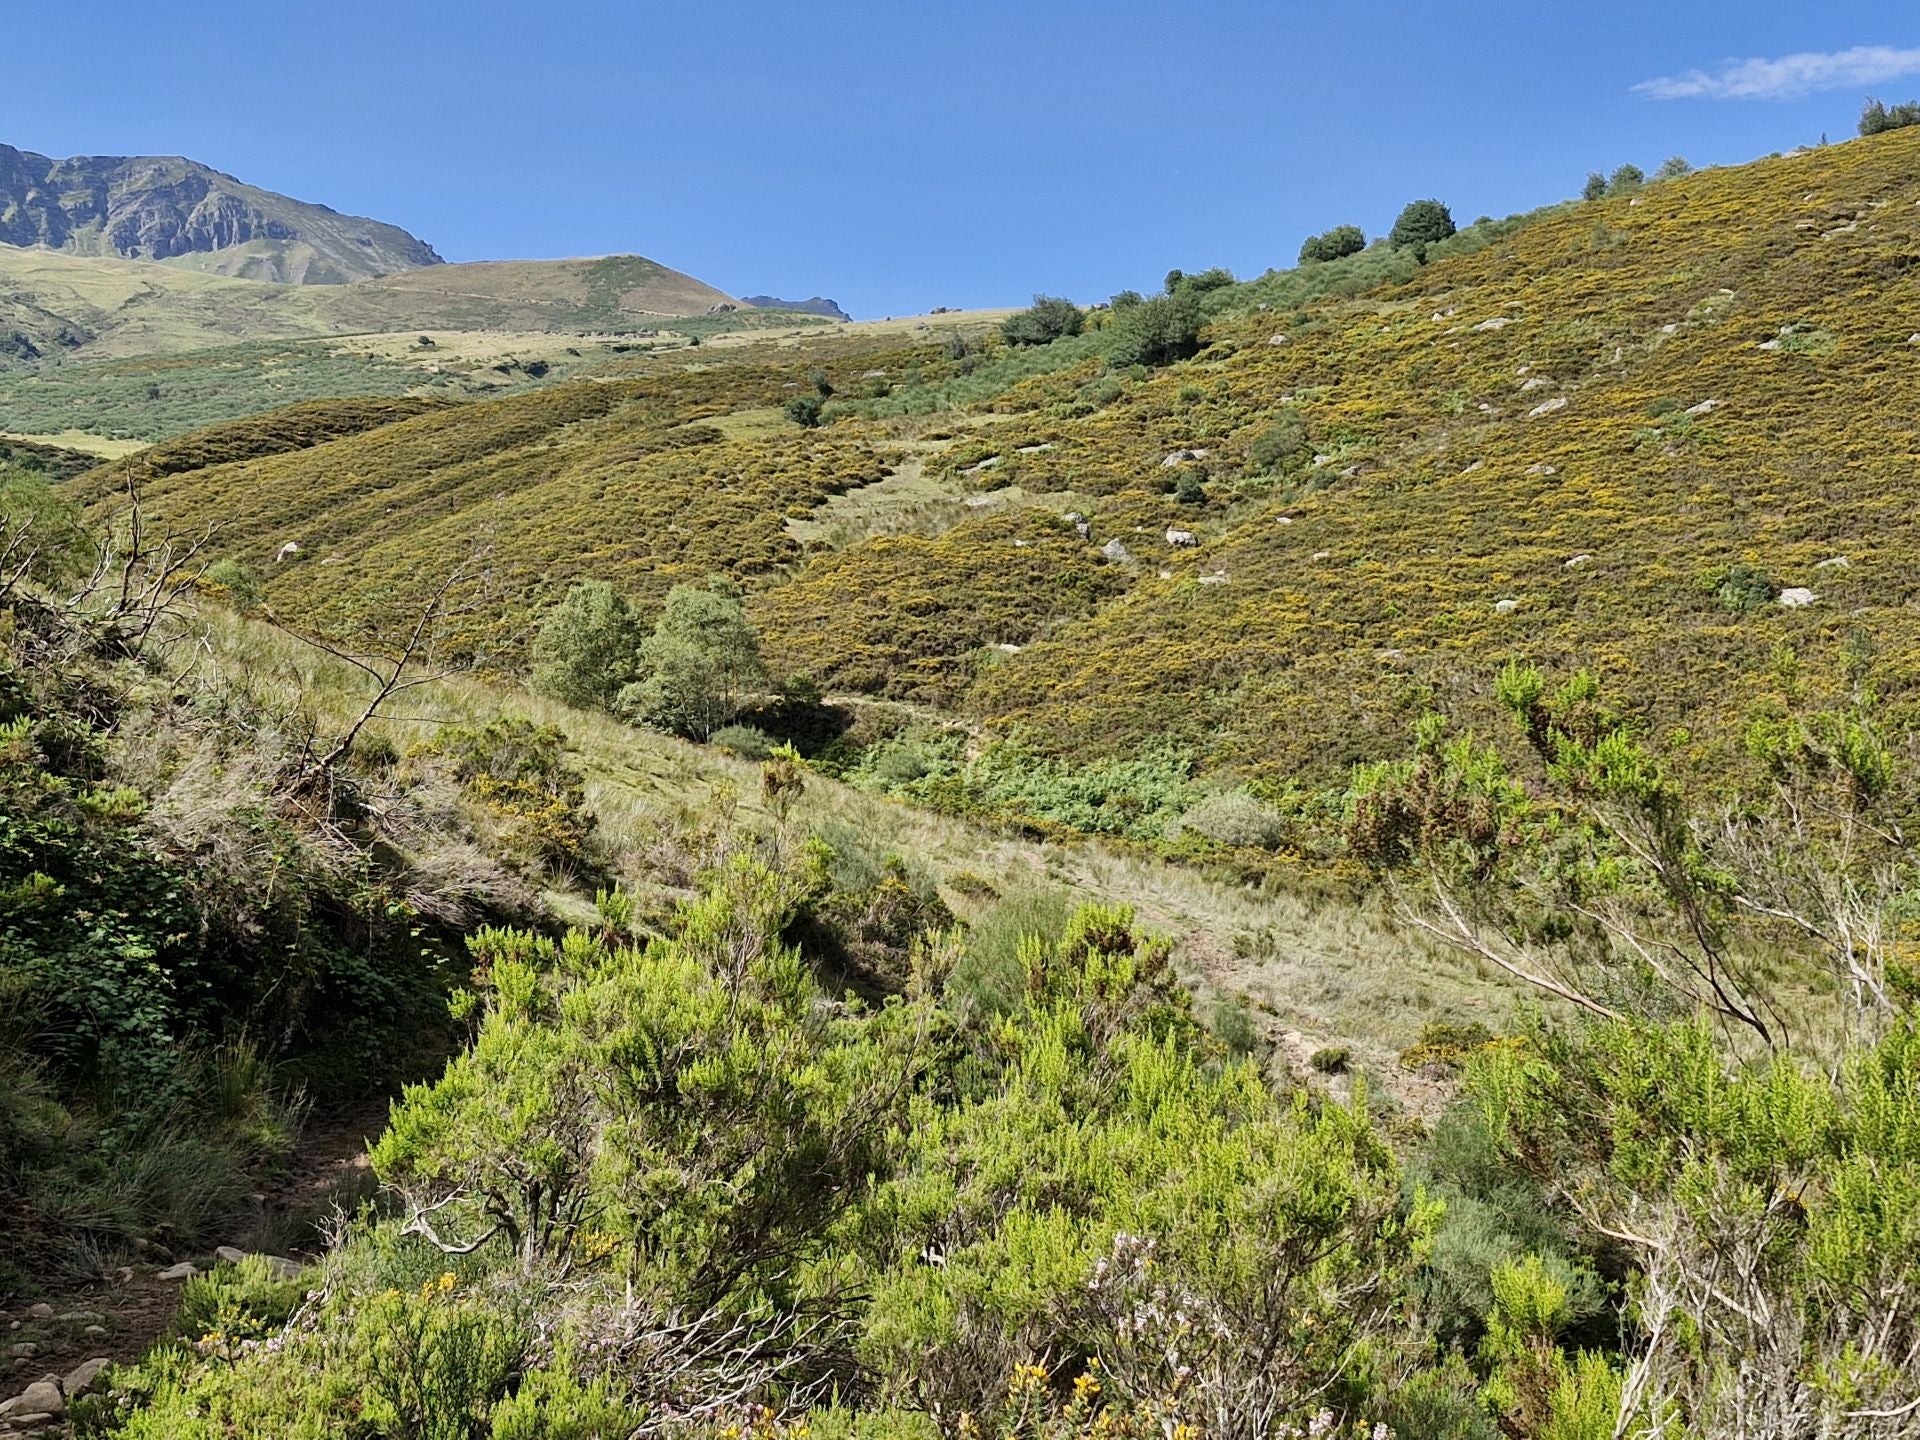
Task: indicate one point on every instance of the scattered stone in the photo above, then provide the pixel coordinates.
(1914, 339)
(1279, 339)
(1505, 607)
(42, 1397)
(25, 1350)
(185, 1270)
(1390, 654)
(1020, 544)
(1182, 539)
(1577, 561)
(1006, 649)
(986, 464)
(80, 1379)
(1795, 597)
(1114, 550)
(1283, 520)
(975, 502)
(1769, 344)
(95, 1332)
(1498, 322)
(1322, 459)
(1705, 407)
(1538, 382)
(41, 1311)
(1672, 327)
(1041, 448)
(1559, 402)
(287, 551)
(1181, 457)
(1446, 314)
(1543, 470)
(1323, 554)
(231, 1254)
(1838, 562)
(1219, 577)
(81, 1317)
(1476, 465)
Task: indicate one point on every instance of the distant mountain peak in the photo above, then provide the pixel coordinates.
(817, 305)
(179, 212)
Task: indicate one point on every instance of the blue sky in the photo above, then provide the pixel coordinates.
(902, 155)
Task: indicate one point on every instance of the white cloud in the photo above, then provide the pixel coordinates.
(1787, 78)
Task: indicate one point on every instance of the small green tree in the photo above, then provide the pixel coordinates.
(1595, 188)
(804, 411)
(1157, 331)
(1877, 117)
(587, 646)
(700, 663)
(1334, 244)
(1048, 319)
(1626, 180)
(1672, 168)
(1422, 223)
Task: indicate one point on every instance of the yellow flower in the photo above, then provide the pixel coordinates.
(1086, 1387)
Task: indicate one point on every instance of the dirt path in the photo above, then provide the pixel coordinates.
(119, 1315)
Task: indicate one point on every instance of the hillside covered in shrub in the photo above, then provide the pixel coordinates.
(1657, 427)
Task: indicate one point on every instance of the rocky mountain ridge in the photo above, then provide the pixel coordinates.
(183, 213)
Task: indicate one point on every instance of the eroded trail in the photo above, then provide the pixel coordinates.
(118, 1315)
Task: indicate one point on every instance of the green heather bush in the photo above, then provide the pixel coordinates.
(1282, 443)
(746, 741)
(1234, 817)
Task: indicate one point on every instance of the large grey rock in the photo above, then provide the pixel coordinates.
(185, 1270)
(1796, 597)
(1559, 402)
(1182, 539)
(81, 1378)
(1114, 550)
(42, 1397)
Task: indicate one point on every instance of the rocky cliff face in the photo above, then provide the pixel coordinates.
(175, 210)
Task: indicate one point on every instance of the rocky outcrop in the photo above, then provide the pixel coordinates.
(167, 208)
(818, 305)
